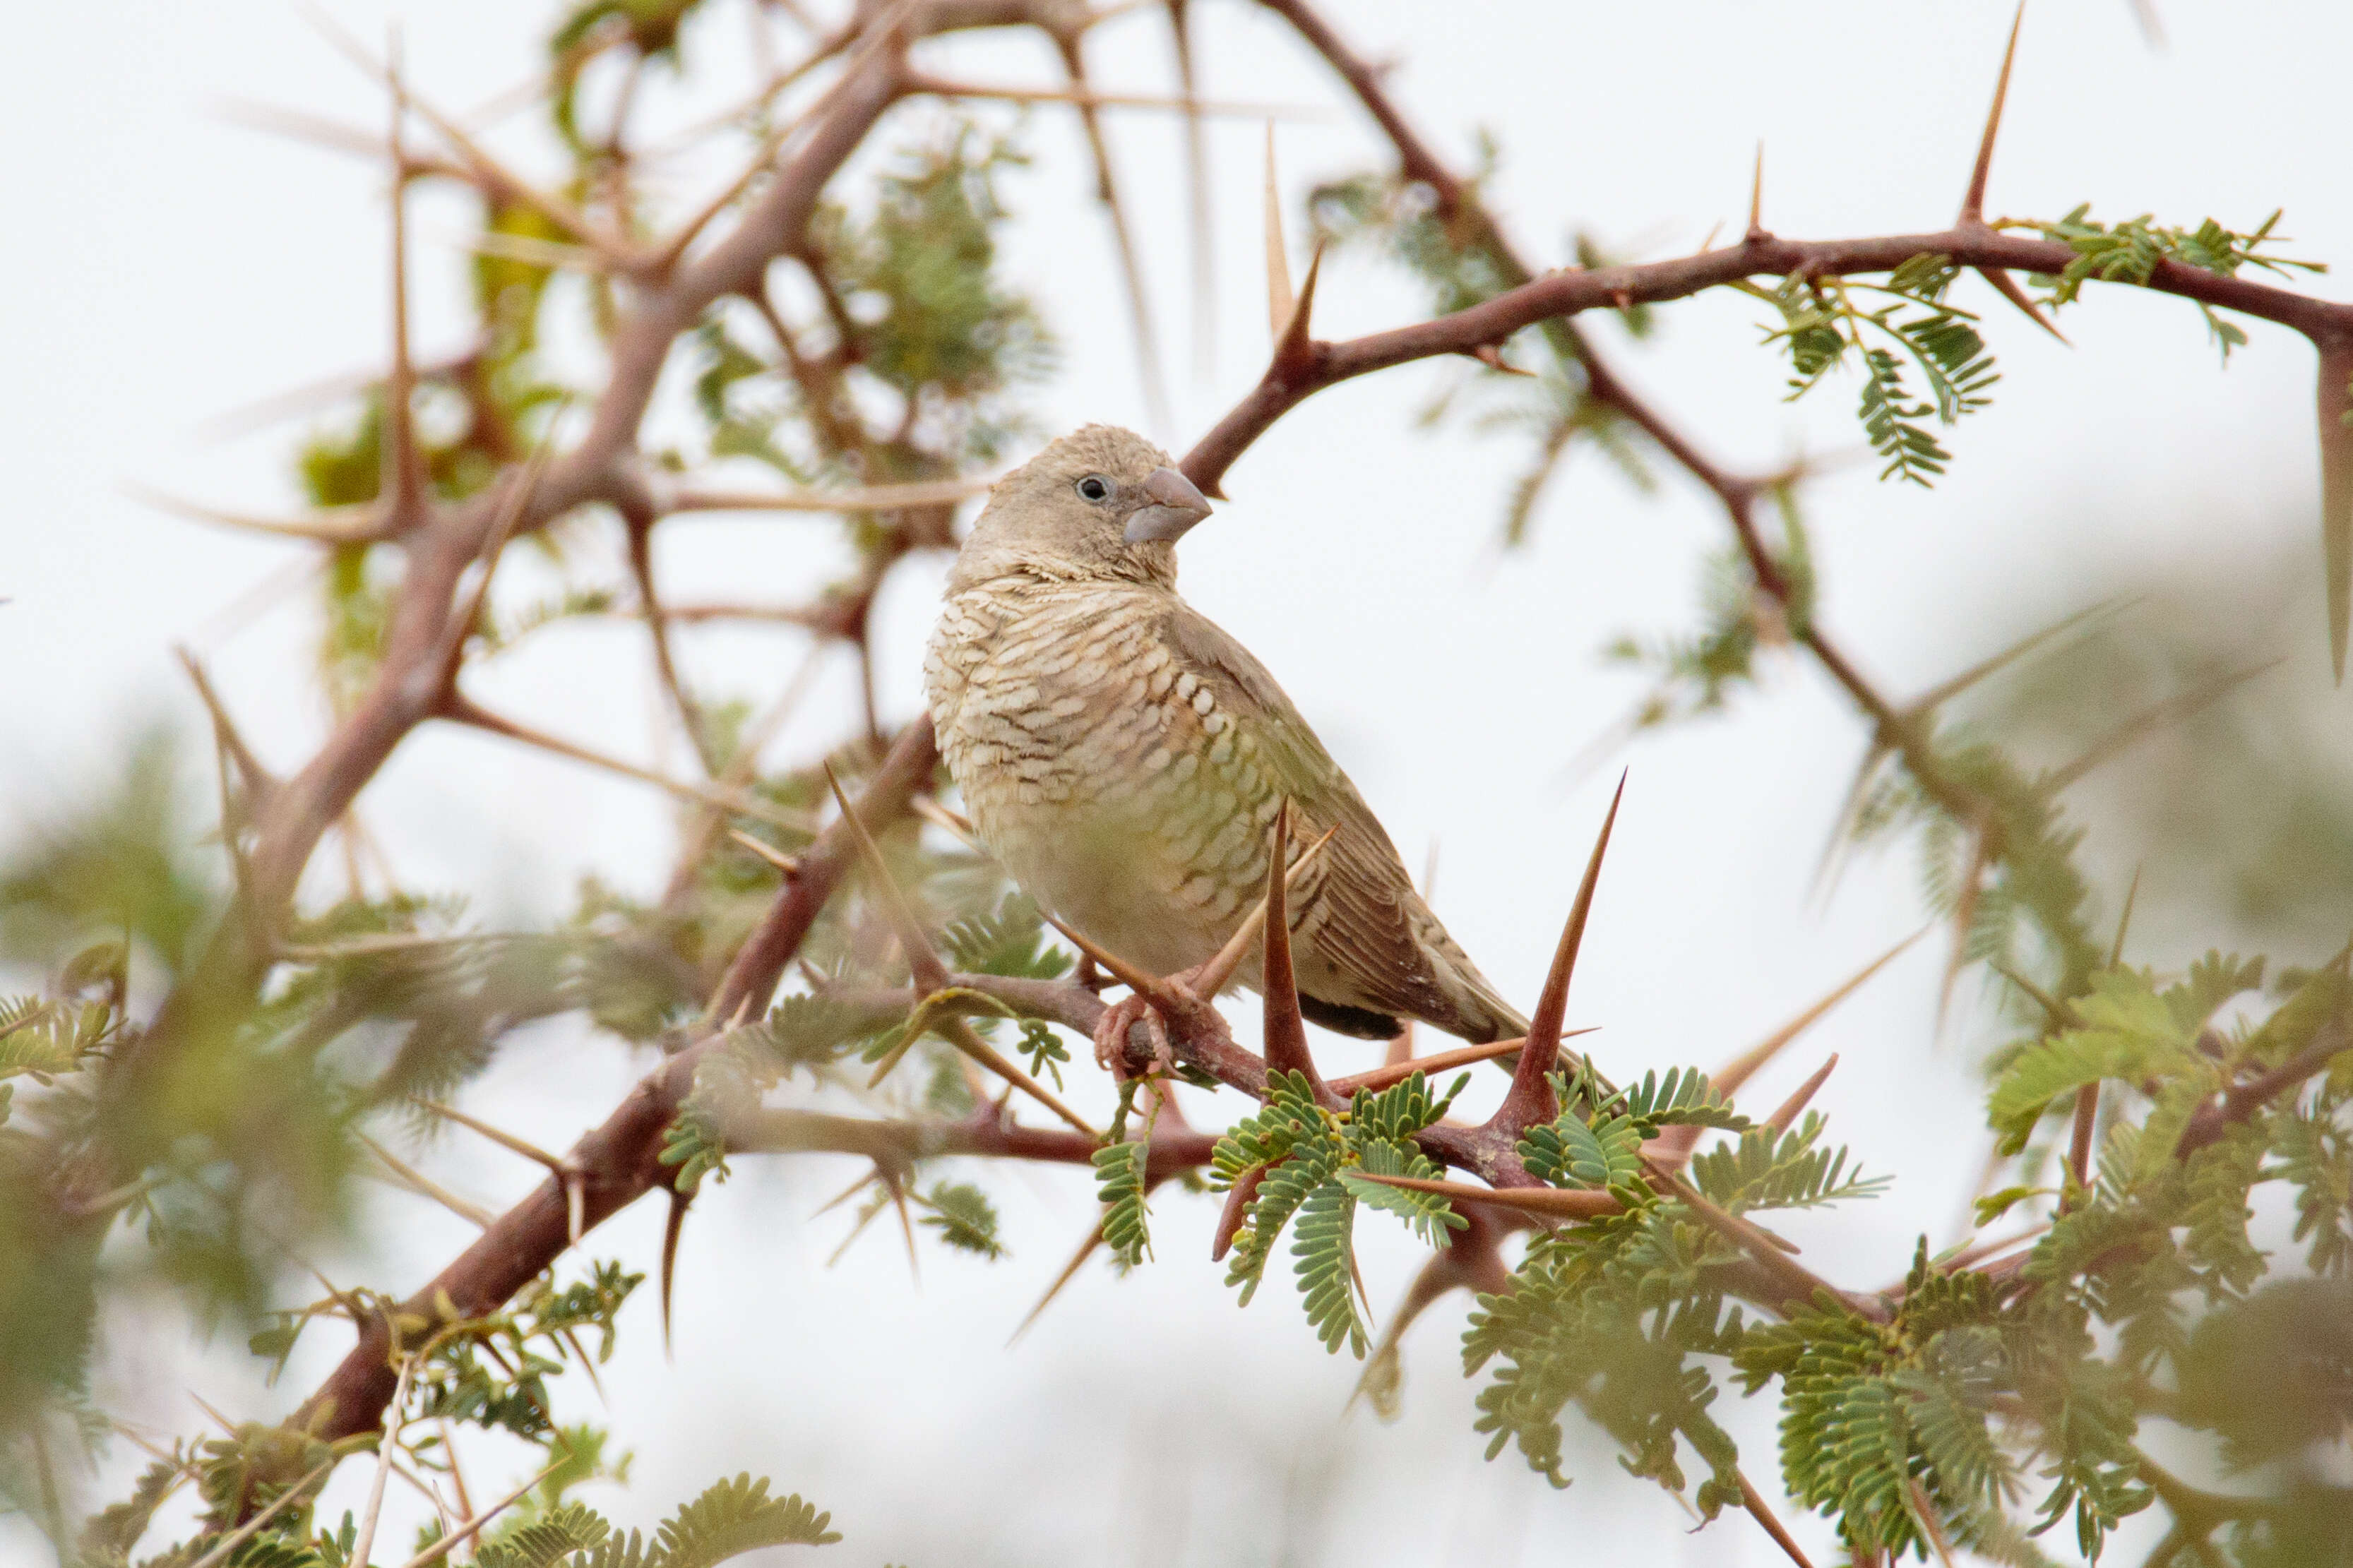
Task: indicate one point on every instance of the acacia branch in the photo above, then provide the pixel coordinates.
(1571, 292)
(411, 685)
(620, 1161)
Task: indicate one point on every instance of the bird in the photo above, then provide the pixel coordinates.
(1124, 758)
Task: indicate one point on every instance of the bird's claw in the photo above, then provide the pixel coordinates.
(1111, 1036)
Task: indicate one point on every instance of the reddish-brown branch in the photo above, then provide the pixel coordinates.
(1573, 291)
(792, 1131)
(2242, 1101)
(410, 684)
(1559, 297)
(617, 1162)
(620, 1161)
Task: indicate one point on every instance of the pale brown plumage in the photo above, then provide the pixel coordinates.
(1124, 758)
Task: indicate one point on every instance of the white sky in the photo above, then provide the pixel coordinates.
(165, 267)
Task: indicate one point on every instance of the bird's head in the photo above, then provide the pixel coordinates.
(1100, 502)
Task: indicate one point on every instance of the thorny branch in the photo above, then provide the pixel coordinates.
(447, 544)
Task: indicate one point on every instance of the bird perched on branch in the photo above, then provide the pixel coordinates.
(1124, 759)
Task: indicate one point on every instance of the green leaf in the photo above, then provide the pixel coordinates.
(695, 1145)
(1119, 1186)
(1324, 1264)
(735, 1517)
(1567, 1152)
(1429, 1215)
(1765, 1170)
(1684, 1097)
(543, 1543)
(964, 1218)
(1009, 940)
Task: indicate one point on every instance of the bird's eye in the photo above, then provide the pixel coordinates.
(1094, 487)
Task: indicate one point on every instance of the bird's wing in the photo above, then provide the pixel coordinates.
(1375, 932)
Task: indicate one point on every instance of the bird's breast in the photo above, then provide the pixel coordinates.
(1098, 770)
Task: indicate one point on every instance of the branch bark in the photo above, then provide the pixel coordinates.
(620, 1161)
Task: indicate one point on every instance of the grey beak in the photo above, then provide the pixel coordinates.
(1180, 507)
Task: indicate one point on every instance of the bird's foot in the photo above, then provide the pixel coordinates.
(1111, 1036)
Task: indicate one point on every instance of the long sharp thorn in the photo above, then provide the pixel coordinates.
(1754, 1501)
(930, 974)
(673, 1226)
(1070, 1273)
(1211, 977)
(2152, 718)
(1530, 1098)
(1973, 201)
(1938, 695)
(1196, 181)
(466, 1532)
(316, 130)
(225, 1423)
(1791, 1108)
(487, 172)
(2337, 492)
(1139, 302)
(789, 865)
(1962, 1257)
(1000, 92)
(1965, 913)
(1842, 825)
(1757, 196)
(1434, 1279)
(417, 1182)
(465, 615)
(365, 1543)
(2124, 921)
(1389, 1073)
(1461, 1261)
(579, 1354)
(460, 709)
(1278, 299)
(690, 713)
(258, 780)
(1143, 984)
(1294, 346)
(499, 1136)
(844, 1195)
(1924, 1512)
(1285, 1030)
(906, 1227)
(1745, 1066)
(2007, 287)
(365, 524)
(2052, 1008)
(403, 482)
(966, 1039)
(286, 1500)
(1767, 1251)
(1546, 1202)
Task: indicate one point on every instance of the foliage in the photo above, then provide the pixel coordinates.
(1463, 261)
(2131, 251)
(1305, 1163)
(182, 1154)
